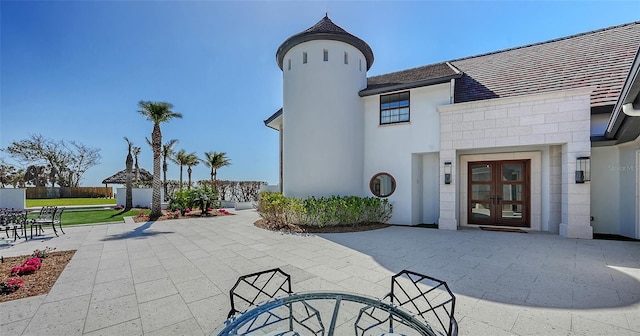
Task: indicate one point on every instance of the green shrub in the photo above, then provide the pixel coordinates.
(202, 197)
(279, 210)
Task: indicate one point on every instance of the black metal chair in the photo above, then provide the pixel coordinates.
(426, 297)
(57, 219)
(16, 221)
(252, 289)
(47, 216)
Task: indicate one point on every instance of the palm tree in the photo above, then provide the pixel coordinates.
(157, 113)
(192, 160)
(129, 164)
(136, 153)
(180, 158)
(167, 153)
(215, 160)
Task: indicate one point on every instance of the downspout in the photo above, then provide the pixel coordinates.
(629, 110)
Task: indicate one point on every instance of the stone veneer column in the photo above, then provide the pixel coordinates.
(448, 207)
(576, 197)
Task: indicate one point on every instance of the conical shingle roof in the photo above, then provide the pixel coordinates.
(325, 29)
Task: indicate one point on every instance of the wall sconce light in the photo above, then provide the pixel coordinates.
(447, 172)
(583, 169)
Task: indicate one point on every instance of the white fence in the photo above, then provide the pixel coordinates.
(13, 198)
(141, 197)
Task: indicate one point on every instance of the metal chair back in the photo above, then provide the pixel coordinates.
(428, 297)
(252, 289)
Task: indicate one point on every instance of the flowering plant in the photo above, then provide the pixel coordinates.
(42, 253)
(142, 214)
(10, 285)
(187, 210)
(174, 214)
(28, 267)
(224, 211)
(119, 207)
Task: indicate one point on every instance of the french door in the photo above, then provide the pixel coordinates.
(499, 193)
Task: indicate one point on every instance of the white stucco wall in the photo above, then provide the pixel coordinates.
(431, 188)
(13, 198)
(546, 119)
(141, 196)
(605, 189)
(627, 171)
(323, 120)
(389, 148)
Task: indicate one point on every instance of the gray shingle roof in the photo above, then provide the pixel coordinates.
(405, 79)
(598, 58)
(325, 29)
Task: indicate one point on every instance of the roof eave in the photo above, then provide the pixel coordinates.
(356, 42)
(273, 119)
(630, 92)
(405, 86)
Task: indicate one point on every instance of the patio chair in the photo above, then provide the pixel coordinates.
(256, 288)
(4, 223)
(57, 219)
(426, 297)
(16, 221)
(252, 289)
(47, 216)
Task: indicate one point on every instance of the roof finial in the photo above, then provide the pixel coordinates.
(326, 14)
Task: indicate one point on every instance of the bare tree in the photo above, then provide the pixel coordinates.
(68, 160)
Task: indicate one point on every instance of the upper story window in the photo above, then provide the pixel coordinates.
(289, 64)
(346, 58)
(394, 108)
(304, 57)
(360, 64)
(325, 55)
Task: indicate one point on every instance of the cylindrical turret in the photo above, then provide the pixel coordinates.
(324, 68)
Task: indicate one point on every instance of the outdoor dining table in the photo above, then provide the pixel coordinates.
(325, 313)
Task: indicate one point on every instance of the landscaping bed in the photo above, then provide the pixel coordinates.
(38, 282)
(143, 215)
(292, 228)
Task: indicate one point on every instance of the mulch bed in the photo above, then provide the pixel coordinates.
(261, 223)
(191, 214)
(39, 282)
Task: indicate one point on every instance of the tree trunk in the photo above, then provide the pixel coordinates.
(164, 181)
(189, 174)
(156, 142)
(129, 198)
(180, 177)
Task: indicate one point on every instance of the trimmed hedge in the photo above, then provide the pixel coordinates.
(279, 210)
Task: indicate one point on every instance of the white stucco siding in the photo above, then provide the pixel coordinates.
(430, 188)
(390, 148)
(605, 189)
(627, 171)
(323, 120)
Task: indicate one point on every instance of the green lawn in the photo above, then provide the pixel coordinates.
(69, 201)
(95, 216)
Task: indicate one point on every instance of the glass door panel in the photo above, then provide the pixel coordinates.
(498, 193)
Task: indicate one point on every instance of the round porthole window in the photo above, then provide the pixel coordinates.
(382, 184)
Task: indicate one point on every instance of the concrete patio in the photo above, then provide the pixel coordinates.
(173, 277)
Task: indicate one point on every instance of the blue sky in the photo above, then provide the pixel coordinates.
(75, 70)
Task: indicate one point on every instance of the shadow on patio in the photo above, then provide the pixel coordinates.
(535, 269)
(137, 233)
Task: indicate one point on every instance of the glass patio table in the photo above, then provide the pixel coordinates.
(325, 313)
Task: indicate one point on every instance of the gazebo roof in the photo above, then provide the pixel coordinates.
(121, 177)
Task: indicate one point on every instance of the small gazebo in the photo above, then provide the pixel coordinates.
(121, 177)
